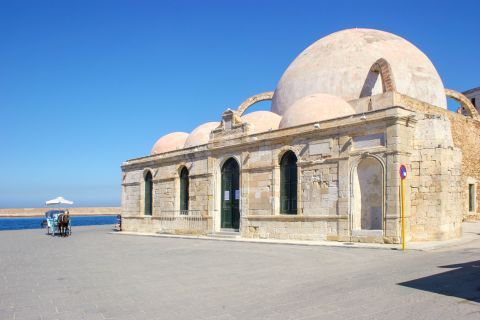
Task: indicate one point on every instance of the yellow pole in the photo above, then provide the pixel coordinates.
(403, 215)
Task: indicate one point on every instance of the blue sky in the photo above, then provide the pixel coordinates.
(85, 85)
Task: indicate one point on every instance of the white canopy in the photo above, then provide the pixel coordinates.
(58, 200)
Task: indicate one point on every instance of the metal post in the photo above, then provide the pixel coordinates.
(403, 213)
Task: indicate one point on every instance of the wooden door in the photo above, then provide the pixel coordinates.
(230, 215)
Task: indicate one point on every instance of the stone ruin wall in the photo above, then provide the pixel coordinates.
(435, 181)
(466, 137)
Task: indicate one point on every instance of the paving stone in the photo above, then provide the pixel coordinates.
(107, 276)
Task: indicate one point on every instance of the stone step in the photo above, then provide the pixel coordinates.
(225, 234)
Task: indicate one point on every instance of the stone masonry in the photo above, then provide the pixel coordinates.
(389, 129)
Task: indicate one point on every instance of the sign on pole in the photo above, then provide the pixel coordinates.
(403, 175)
(403, 172)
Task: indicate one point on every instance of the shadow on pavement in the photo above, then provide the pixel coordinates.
(462, 282)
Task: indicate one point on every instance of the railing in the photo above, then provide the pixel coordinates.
(182, 222)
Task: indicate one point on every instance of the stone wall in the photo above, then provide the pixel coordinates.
(131, 195)
(319, 187)
(289, 227)
(75, 211)
(466, 137)
(324, 167)
(435, 181)
(168, 224)
(328, 155)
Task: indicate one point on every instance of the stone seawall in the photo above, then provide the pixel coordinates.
(40, 212)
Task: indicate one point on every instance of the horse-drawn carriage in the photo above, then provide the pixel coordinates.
(58, 222)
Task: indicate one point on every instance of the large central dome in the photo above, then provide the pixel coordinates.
(339, 64)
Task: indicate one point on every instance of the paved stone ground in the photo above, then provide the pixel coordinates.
(97, 275)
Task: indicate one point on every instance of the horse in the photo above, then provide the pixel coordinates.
(63, 222)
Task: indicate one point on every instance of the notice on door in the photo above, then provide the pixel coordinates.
(226, 195)
(237, 194)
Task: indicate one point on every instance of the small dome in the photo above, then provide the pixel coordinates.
(169, 142)
(262, 120)
(201, 134)
(315, 108)
(339, 64)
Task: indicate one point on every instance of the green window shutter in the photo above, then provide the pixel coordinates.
(471, 197)
(288, 183)
(184, 185)
(148, 194)
(284, 189)
(293, 187)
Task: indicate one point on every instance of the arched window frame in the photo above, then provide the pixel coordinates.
(289, 183)
(148, 198)
(184, 190)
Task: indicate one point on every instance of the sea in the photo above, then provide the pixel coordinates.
(36, 222)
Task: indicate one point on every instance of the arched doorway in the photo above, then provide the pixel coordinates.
(148, 194)
(230, 216)
(368, 195)
(288, 183)
(184, 185)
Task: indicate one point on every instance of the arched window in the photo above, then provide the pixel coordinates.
(230, 215)
(148, 193)
(288, 183)
(184, 191)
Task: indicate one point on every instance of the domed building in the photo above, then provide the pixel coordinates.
(169, 142)
(346, 64)
(200, 135)
(350, 114)
(316, 107)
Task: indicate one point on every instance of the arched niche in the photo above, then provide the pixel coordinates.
(368, 194)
